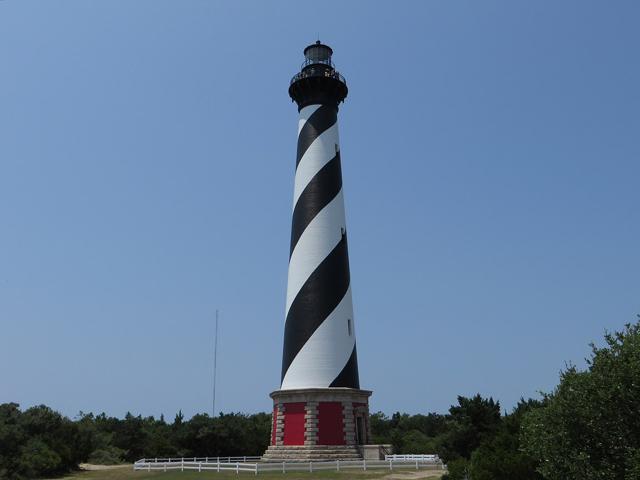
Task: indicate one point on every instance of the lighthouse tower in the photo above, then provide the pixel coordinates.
(319, 413)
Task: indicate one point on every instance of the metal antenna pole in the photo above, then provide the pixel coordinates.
(215, 365)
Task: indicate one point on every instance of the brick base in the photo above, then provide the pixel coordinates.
(333, 417)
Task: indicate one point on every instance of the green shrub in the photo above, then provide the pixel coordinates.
(589, 427)
(457, 469)
(38, 459)
(108, 455)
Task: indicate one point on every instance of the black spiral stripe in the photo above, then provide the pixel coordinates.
(318, 193)
(319, 121)
(318, 297)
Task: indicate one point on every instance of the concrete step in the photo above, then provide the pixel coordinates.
(328, 456)
(314, 453)
(324, 450)
(304, 460)
(315, 448)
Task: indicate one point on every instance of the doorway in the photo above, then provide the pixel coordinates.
(360, 436)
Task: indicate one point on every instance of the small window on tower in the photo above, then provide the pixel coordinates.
(349, 326)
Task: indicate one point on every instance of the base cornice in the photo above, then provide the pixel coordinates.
(333, 394)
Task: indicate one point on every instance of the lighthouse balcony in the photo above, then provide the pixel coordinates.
(318, 70)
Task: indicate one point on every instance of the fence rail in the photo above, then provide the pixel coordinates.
(413, 456)
(253, 465)
(245, 458)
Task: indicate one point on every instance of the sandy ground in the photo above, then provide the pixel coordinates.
(91, 467)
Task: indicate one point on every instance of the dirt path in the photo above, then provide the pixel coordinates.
(90, 467)
(414, 475)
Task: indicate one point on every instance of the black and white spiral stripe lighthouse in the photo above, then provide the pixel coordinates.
(319, 338)
(319, 402)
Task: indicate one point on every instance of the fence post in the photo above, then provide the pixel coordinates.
(283, 468)
(237, 468)
(337, 465)
(165, 467)
(364, 464)
(390, 464)
(245, 458)
(218, 464)
(182, 464)
(311, 467)
(416, 464)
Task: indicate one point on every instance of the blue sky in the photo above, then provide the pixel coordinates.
(491, 158)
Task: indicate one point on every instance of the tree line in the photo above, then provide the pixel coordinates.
(40, 442)
(587, 428)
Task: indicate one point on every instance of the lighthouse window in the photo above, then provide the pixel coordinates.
(349, 326)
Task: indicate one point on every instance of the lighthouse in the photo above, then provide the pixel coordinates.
(319, 412)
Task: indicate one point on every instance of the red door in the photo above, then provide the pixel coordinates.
(294, 423)
(330, 426)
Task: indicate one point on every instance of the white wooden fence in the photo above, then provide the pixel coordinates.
(245, 459)
(253, 465)
(413, 457)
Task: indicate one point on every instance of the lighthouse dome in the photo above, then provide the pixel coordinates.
(318, 53)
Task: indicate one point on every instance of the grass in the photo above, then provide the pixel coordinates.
(125, 472)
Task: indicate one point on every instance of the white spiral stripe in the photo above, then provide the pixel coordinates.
(317, 241)
(327, 351)
(319, 153)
